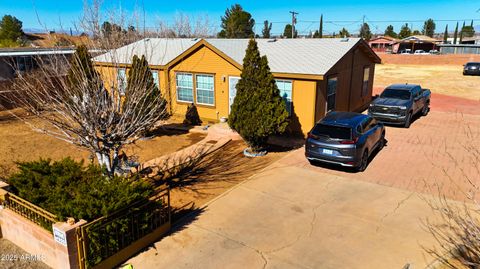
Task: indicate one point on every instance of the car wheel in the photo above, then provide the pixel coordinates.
(381, 142)
(425, 110)
(312, 162)
(408, 120)
(363, 162)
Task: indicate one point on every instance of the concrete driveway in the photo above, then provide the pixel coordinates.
(294, 217)
(438, 154)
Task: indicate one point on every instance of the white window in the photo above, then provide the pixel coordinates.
(205, 89)
(121, 80)
(331, 93)
(156, 80)
(366, 79)
(184, 87)
(285, 88)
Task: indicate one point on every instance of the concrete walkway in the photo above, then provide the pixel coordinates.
(292, 217)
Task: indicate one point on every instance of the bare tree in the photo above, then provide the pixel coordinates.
(457, 230)
(78, 109)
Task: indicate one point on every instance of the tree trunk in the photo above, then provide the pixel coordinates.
(104, 161)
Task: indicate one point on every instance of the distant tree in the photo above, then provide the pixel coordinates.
(344, 33)
(267, 27)
(109, 29)
(461, 33)
(258, 110)
(365, 32)
(416, 32)
(468, 31)
(455, 34)
(10, 28)
(320, 31)
(405, 31)
(316, 34)
(429, 28)
(445, 35)
(287, 32)
(390, 32)
(237, 23)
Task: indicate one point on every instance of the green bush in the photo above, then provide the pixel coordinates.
(69, 189)
(258, 110)
(192, 117)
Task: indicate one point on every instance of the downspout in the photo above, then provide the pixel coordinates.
(351, 79)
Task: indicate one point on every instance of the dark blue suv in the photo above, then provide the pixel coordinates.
(345, 138)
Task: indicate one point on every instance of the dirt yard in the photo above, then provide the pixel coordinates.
(441, 79)
(19, 143)
(216, 174)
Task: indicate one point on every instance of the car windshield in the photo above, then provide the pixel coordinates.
(473, 64)
(337, 132)
(396, 94)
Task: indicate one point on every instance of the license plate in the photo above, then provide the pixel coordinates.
(327, 151)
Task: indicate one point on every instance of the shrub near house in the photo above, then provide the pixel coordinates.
(258, 110)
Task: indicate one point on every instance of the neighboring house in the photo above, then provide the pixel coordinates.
(459, 48)
(382, 43)
(314, 76)
(17, 60)
(417, 42)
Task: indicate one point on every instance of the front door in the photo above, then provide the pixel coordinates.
(232, 91)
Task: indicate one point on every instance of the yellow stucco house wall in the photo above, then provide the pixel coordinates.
(204, 60)
(204, 72)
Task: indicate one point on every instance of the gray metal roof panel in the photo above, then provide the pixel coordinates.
(296, 56)
(158, 51)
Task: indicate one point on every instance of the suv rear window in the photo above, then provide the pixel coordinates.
(337, 132)
(396, 94)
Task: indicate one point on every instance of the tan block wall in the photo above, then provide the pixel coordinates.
(30, 237)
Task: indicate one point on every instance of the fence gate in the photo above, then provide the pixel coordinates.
(107, 241)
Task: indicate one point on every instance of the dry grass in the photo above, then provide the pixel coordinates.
(442, 79)
(20, 143)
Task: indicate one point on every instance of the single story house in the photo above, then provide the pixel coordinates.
(314, 76)
(382, 43)
(416, 42)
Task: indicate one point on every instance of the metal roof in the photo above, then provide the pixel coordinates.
(157, 51)
(298, 56)
(293, 56)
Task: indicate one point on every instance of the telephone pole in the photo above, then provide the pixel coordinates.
(294, 21)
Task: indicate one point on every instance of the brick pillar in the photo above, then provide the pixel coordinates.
(66, 249)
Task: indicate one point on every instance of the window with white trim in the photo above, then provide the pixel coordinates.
(184, 87)
(285, 88)
(156, 80)
(366, 79)
(121, 80)
(331, 93)
(205, 89)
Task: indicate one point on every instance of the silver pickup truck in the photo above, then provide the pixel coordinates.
(398, 103)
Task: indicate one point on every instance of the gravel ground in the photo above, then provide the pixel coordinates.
(13, 257)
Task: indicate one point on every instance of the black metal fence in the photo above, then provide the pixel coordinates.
(109, 240)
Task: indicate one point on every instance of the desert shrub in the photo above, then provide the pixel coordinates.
(192, 117)
(67, 188)
(258, 110)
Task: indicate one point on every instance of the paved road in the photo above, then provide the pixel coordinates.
(295, 217)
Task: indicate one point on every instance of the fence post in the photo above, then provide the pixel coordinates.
(66, 248)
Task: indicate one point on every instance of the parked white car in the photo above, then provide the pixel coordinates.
(420, 52)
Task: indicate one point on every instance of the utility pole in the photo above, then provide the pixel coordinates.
(294, 21)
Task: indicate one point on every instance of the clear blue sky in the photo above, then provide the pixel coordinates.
(56, 13)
